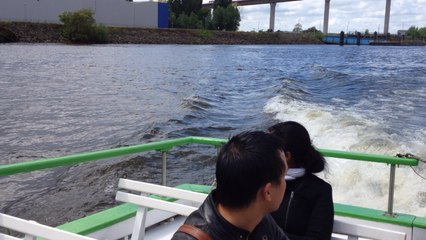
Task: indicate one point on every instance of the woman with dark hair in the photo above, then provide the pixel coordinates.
(306, 212)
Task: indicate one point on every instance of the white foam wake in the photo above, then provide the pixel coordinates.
(360, 183)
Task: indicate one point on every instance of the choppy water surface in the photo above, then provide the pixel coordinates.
(57, 100)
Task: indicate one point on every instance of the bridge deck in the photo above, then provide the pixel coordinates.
(250, 2)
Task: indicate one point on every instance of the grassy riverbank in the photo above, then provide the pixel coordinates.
(51, 33)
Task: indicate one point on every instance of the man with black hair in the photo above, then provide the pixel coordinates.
(250, 174)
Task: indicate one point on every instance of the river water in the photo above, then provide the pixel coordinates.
(62, 99)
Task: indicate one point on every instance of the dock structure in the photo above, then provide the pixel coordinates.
(272, 3)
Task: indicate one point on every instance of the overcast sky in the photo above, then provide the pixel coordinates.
(345, 15)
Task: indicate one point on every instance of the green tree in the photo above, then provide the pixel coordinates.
(175, 7)
(191, 21)
(172, 19)
(205, 16)
(218, 18)
(317, 33)
(232, 18)
(190, 14)
(226, 18)
(297, 28)
(181, 13)
(191, 6)
(366, 32)
(80, 27)
(221, 3)
(413, 32)
(422, 32)
(182, 21)
(311, 30)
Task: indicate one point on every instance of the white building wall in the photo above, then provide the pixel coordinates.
(13, 10)
(111, 12)
(147, 13)
(108, 12)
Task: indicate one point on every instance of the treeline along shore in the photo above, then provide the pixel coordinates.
(51, 33)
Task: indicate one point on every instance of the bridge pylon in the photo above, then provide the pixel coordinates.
(272, 16)
(387, 14)
(326, 15)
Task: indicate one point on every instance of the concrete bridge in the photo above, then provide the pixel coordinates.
(273, 4)
(327, 9)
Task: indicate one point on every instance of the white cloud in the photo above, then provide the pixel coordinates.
(345, 15)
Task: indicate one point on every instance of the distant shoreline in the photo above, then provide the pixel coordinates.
(51, 33)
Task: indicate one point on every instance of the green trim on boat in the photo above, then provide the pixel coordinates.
(109, 217)
(373, 215)
(100, 220)
(195, 188)
(420, 222)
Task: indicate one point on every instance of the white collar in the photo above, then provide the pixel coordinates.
(294, 173)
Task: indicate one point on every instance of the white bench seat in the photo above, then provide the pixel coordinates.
(32, 230)
(185, 202)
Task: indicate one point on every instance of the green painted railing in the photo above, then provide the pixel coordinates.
(166, 145)
(162, 146)
(369, 157)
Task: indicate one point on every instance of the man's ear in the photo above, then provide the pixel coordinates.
(266, 192)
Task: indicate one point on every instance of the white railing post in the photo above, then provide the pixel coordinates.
(139, 225)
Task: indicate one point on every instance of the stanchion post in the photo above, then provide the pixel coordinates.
(164, 171)
(391, 190)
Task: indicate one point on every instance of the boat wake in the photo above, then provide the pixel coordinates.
(352, 130)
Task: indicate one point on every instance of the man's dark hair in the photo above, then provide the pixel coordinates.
(246, 163)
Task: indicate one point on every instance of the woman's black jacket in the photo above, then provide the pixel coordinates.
(307, 211)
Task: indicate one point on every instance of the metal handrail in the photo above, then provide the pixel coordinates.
(369, 157)
(162, 146)
(167, 145)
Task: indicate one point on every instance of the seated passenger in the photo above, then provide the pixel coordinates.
(250, 172)
(306, 212)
